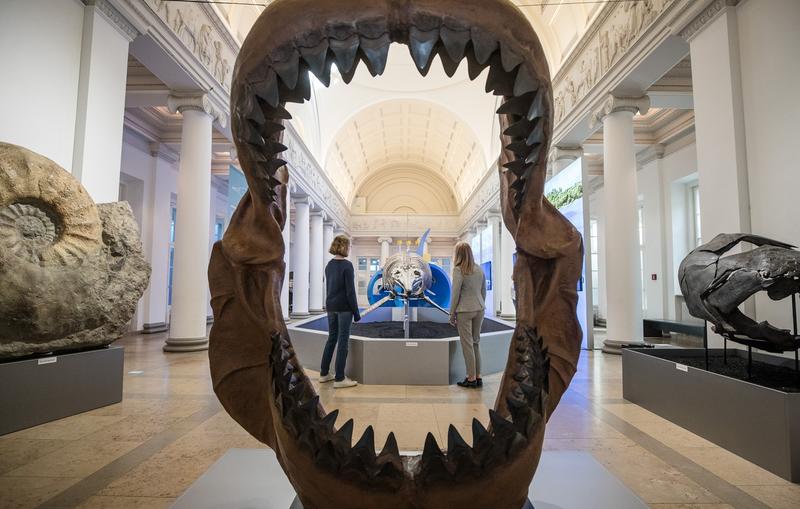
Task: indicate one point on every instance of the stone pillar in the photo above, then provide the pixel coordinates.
(155, 298)
(301, 270)
(100, 113)
(327, 240)
(287, 259)
(187, 329)
(720, 127)
(316, 295)
(624, 284)
(496, 225)
(386, 244)
(507, 249)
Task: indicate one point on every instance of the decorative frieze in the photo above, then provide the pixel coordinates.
(305, 173)
(202, 32)
(441, 225)
(615, 30)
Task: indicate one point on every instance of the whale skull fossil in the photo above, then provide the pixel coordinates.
(256, 374)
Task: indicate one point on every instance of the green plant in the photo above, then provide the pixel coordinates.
(563, 197)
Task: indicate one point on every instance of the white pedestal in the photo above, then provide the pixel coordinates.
(248, 478)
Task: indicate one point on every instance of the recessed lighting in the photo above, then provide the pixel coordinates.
(137, 372)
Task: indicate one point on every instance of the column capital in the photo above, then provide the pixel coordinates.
(178, 102)
(613, 104)
(709, 14)
(564, 153)
(381, 240)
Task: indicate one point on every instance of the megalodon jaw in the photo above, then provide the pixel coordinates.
(256, 373)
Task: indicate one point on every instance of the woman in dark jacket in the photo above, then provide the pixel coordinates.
(342, 310)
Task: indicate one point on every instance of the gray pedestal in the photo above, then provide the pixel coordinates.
(400, 361)
(252, 478)
(35, 391)
(760, 424)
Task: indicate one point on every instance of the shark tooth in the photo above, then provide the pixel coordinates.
(376, 53)
(525, 82)
(421, 44)
(345, 52)
(483, 43)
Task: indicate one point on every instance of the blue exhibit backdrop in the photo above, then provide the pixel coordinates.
(565, 192)
(237, 186)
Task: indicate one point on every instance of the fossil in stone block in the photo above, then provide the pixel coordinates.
(71, 272)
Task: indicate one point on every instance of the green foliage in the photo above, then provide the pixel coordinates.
(563, 197)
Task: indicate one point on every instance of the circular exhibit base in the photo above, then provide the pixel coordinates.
(296, 504)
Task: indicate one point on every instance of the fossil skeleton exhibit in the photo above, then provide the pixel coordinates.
(715, 284)
(256, 374)
(71, 272)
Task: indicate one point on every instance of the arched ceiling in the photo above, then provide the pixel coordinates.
(401, 120)
(399, 134)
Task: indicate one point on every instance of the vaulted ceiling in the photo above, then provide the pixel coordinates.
(440, 130)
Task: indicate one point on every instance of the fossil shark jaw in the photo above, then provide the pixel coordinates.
(273, 68)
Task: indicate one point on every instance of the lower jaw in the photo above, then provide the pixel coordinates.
(243, 353)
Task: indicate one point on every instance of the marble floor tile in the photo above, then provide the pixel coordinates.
(78, 459)
(17, 452)
(776, 497)
(731, 467)
(30, 492)
(126, 503)
(69, 428)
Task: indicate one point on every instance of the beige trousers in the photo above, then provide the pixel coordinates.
(469, 330)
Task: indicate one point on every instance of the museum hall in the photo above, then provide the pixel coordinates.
(399, 254)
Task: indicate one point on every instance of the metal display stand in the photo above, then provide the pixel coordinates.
(726, 336)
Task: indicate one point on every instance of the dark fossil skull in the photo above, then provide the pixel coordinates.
(715, 285)
(256, 374)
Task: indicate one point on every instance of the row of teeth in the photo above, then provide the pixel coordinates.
(305, 420)
(284, 77)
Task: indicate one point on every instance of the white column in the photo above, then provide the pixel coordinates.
(624, 285)
(507, 249)
(187, 330)
(719, 125)
(327, 240)
(495, 226)
(155, 298)
(720, 130)
(386, 244)
(100, 113)
(301, 270)
(287, 259)
(315, 302)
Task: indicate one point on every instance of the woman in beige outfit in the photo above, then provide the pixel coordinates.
(467, 303)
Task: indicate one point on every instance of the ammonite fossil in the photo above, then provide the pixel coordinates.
(71, 272)
(256, 374)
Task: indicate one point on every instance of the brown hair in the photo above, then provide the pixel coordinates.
(464, 259)
(340, 246)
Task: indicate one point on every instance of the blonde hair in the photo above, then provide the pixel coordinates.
(340, 246)
(464, 259)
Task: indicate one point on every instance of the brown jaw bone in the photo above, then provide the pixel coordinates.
(255, 371)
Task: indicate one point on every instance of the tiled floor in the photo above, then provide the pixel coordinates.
(145, 451)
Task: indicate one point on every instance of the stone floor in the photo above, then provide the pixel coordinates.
(145, 451)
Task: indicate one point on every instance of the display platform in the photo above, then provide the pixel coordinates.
(252, 478)
(398, 361)
(42, 389)
(759, 423)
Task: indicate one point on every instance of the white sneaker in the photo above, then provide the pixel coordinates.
(326, 378)
(343, 384)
